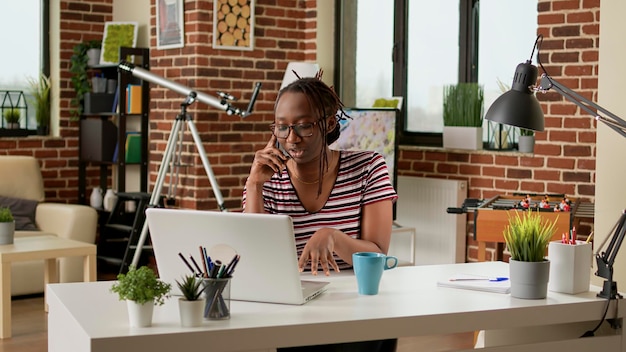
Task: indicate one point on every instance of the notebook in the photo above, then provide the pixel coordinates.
(268, 268)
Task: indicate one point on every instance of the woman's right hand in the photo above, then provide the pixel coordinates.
(266, 163)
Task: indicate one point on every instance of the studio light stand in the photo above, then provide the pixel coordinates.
(177, 128)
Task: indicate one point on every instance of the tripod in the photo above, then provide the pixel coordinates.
(177, 127)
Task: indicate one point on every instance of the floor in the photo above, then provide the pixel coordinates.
(30, 330)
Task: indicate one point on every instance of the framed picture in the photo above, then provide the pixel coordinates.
(233, 24)
(116, 35)
(170, 24)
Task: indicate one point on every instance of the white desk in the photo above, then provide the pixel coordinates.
(87, 317)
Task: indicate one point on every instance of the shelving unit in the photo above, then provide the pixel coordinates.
(103, 143)
(102, 133)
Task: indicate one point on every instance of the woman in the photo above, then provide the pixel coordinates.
(340, 201)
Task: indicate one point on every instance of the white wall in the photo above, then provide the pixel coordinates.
(610, 160)
(325, 40)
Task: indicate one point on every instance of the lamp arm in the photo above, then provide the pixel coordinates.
(614, 122)
(606, 259)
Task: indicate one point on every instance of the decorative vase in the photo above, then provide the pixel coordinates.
(526, 144)
(95, 200)
(109, 200)
(191, 312)
(7, 232)
(140, 315)
(463, 137)
(529, 280)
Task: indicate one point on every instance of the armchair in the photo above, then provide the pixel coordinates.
(21, 183)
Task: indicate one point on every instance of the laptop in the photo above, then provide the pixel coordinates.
(268, 267)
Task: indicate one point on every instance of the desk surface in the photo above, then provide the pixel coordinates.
(87, 317)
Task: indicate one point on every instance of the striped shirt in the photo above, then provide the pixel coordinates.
(362, 179)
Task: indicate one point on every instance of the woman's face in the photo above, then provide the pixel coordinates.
(293, 109)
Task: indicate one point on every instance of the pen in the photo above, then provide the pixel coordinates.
(232, 268)
(186, 262)
(216, 268)
(204, 263)
(493, 279)
(195, 264)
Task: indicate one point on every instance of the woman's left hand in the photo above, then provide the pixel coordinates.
(319, 250)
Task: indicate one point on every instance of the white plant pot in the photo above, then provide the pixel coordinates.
(463, 137)
(529, 280)
(140, 315)
(7, 232)
(191, 312)
(93, 56)
(526, 144)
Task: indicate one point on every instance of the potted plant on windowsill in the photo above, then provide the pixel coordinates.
(527, 237)
(12, 117)
(40, 91)
(190, 306)
(463, 116)
(7, 226)
(526, 143)
(142, 290)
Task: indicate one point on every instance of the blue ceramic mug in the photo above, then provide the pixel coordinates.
(368, 269)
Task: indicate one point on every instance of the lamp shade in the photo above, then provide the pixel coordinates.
(518, 107)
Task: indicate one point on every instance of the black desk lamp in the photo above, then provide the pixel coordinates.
(519, 107)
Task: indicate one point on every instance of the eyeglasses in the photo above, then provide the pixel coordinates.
(300, 129)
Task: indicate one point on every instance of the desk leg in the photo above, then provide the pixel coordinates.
(50, 276)
(89, 268)
(5, 302)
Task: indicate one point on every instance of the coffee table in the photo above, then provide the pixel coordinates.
(48, 249)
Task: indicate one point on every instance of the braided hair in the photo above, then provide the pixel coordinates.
(322, 98)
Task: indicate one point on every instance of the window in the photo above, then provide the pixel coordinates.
(25, 48)
(417, 47)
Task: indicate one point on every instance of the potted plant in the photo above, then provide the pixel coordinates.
(40, 92)
(190, 306)
(7, 226)
(12, 117)
(463, 116)
(142, 290)
(527, 237)
(526, 143)
(79, 63)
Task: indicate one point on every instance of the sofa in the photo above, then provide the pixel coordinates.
(21, 189)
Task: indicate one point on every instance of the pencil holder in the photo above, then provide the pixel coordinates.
(217, 298)
(570, 267)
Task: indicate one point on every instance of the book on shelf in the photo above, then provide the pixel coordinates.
(133, 99)
(133, 147)
(477, 283)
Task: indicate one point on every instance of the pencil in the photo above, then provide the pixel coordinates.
(186, 262)
(206, 270)
(589, 237)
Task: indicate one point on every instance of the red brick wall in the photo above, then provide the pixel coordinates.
(565, 153)
(284, 31)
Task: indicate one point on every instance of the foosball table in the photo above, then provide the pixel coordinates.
(492, 216)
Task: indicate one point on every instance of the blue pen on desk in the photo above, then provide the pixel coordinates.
(492, 279)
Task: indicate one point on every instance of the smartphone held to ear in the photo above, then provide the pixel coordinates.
(280, 147)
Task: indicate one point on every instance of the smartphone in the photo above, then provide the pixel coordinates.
(280, 147)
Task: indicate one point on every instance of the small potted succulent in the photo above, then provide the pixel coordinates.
(7, 226)
(12, 117)
(190, 306)
(527, 237)
(142, 290)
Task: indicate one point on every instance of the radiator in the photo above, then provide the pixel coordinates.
(422, 203)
